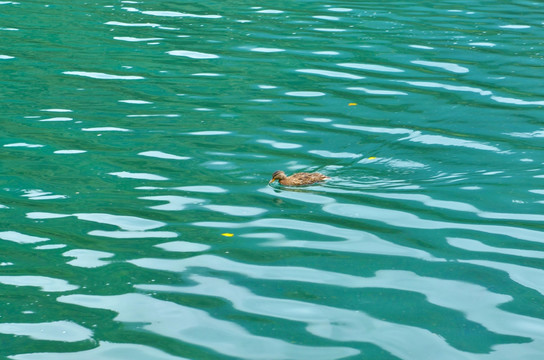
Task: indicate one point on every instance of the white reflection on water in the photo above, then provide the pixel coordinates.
(103, 76)
(180, 14)
(134, 234)
(334, 74)
(485, 44)
(57, 110)
(477, 246)
(527, 276)
(87, 258)
(307, 197)
(140, 176)
(335, 155)
(236, 210)
(123, 222)
(317, 120)
(208, 133)
(325, 17)
(338, 9)
(408, 220)
(266, 50)
(183, 246)
(47, 284)
(419, 137)
(371, 67)
(325, 321)
(196, 326)
(456, 206)
(514, 26)
(443, 65)
(37, 194)
(119, 23)
(532, 134)
(270, 11)
(347, 325)
(279, 145)
(193, 54)
(196, 188)
(305, 93)
(57, 119)
(329, 29)
(136, 102)
(163, 155)
(507, 100)
(69, 152)
(430, 84)
(134, 39)
(174, 202)
(24, 145)
(377, 92)
(354, 240)
(65, 331)
(282, 273)
(327, 53)
(106, 128)
(105, 350)
(363, 246)
(131, 226)
(20, 238)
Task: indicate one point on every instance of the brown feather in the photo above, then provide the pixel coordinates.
(298, 179)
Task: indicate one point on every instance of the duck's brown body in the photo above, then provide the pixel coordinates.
(297, 179)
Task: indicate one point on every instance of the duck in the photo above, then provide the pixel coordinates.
(298, 179)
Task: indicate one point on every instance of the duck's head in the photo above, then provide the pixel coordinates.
(277, 175)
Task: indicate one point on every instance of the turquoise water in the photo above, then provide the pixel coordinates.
(139, 138)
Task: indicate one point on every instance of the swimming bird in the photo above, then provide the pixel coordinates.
(297, 179)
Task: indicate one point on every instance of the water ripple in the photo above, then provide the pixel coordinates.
(119, 23)
(371, 67)
(188, 324)
(442, 65)
(193, 54)
(105, 350)
(20, 238)
(138, 146)
(46, 284)
(305, 93)
(163, 155)
(345, 325)
(408, 220)
(418, 136)
(477, 246)
(141, 176)
(103, 76)
(179, 14)
(328, 73)
(462, 88)
(87, 258)
(65, 331)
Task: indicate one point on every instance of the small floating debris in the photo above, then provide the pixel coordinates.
(227, 234)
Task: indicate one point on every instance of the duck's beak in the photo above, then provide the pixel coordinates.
(271, 181)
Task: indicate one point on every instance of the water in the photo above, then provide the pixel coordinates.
(139, 138)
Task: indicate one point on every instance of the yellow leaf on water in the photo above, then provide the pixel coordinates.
(372, 158)
(227, 234)
(352, 104)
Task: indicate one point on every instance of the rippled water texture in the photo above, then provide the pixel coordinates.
(139, 138)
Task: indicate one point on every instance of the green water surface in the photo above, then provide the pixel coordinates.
(139, 138)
